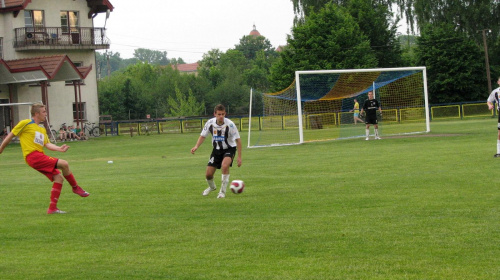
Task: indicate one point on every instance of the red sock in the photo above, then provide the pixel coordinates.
(54, 195)
(71, 180)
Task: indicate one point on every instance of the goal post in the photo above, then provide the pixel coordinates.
(319, 106)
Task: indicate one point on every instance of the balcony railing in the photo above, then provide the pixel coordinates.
(60, 38)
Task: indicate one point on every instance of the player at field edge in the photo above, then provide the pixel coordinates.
(226, 143)
(355, 110)
(33, 138)
(491, 99)
(371, 106)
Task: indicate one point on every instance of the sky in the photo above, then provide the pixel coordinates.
(190, 28)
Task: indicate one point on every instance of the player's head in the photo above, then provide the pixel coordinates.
(38, 112)
(370, 94)
(220, 113)
(37, 108)
(219, 107)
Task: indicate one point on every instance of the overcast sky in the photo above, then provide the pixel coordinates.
(190, 28)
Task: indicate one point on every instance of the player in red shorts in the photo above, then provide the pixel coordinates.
(33, 138)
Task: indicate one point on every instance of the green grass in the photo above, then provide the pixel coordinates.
(399, 208)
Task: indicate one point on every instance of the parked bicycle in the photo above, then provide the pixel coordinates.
(53, 134)
(91, 129)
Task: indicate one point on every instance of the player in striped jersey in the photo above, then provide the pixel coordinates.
(494, 96)
(226, 143)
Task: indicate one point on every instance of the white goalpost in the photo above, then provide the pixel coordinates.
(318, 106)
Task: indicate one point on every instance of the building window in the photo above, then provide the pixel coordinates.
(35, 20)
(69, 22)
(82, 110)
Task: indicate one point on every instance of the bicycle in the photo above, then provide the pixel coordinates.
(91, 129)
(53, 134)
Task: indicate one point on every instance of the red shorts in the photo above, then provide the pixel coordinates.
(43, 164)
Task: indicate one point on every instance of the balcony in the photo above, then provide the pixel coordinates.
(50, 38)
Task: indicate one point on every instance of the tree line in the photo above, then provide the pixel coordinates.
(446, 37)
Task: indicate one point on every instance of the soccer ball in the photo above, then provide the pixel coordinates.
(237, 186)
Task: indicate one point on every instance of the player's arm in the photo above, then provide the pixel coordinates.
(56, 148)
(490, 101)
(6, 141)
(490, 105)
(238, 149)
(198, 144)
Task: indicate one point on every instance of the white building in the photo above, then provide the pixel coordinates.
(47, 53)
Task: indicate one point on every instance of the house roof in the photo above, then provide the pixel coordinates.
(99, 6)
(96, 6)
(13, 5)
(189, 67)
(49, 68)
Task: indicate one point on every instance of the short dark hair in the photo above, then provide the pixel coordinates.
(219, 107)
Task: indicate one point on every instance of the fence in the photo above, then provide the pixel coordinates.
(311, 121)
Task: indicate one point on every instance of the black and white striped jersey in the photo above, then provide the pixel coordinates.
(494, 97)
(223, 136)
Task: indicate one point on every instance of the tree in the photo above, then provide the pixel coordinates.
(184, 106)
(376, 22)
(151, 56)
(453, 64)
(176, 61)
(209, 67)
(330, 39)
(250, 45)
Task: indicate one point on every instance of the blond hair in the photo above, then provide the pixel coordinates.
(35, 108)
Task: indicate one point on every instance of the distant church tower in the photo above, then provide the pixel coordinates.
(254, 32)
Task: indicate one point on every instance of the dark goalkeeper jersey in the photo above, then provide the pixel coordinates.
(370, 107)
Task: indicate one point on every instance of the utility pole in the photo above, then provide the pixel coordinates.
(487, 61)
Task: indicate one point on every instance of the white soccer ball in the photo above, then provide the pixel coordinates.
(237, 186)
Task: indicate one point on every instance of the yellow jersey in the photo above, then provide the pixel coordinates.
(356, 107)
(32, 136)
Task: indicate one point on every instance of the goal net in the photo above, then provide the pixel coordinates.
(319, 106)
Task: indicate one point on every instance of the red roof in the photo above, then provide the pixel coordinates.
(56, 67)
(50, 64)
(189, 67)
(254, 32)
(96, 6)
(13, 5)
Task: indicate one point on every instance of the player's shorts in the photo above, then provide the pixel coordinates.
(371, 119)
(356, 115)
(218, 156)
(43, 164)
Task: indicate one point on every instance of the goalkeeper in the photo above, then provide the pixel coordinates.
(371, 106)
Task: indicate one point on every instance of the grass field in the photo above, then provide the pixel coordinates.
(399, 208)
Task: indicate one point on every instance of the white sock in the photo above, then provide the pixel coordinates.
(376, 132)
(211, 184)
(498, 146)
(225, 181)
(367, 132)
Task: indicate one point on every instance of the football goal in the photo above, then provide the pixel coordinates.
(320, 105)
